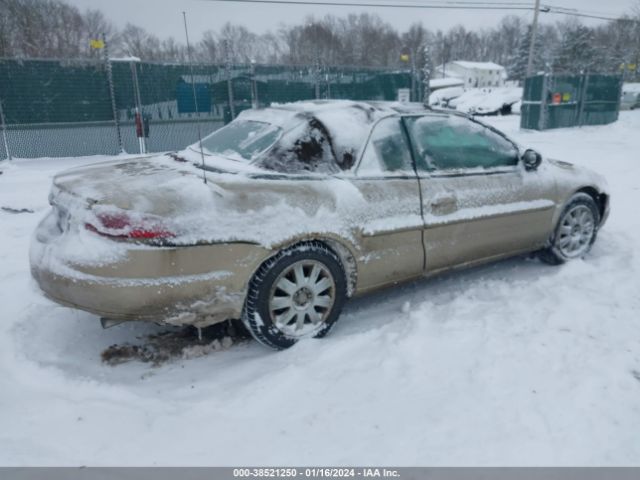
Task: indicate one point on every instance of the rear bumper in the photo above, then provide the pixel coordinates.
(196, 285)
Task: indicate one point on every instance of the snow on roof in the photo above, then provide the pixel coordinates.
(478, 65)
(328, 112)
(446, 82)
(129, 58)
(347, 122)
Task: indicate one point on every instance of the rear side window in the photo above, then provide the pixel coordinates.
(387, 151)
(452, 143)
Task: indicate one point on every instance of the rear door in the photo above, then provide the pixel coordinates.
(390, 234)
(478, 201)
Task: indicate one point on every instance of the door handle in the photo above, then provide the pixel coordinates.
(443, 205)
(441, 202)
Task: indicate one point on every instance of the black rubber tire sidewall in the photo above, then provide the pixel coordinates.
(262, 328)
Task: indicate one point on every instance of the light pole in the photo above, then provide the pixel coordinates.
(534, 33)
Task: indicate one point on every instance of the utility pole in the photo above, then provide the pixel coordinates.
(534, 33)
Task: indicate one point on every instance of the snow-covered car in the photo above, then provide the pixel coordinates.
(487, 101)
(285, 213)
(630, 100)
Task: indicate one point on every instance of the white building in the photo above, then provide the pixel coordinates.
(474, 74)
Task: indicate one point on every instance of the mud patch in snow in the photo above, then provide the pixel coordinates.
(176, 344)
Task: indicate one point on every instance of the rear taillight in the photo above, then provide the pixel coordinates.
(121, 225)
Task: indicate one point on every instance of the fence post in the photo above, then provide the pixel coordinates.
(544, 107)
(254, 86)
(414, 92)
(583, 98)
(112, 93)
(4, 132)
(227, 66)
(316, 78)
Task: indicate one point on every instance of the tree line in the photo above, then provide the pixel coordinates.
(55, 29)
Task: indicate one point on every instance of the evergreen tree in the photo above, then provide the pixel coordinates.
(518, 69)
(577, 52)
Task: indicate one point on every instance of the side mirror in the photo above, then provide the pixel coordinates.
(531, 160)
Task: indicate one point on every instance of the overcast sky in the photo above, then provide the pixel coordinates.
(163, 17)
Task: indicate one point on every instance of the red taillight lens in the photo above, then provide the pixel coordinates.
(114, 221)
(120, 225)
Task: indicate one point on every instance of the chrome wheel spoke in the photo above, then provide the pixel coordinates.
(298, 272)
(574, 245)
(286, 317)
(322, 286)
(315, 272)
(315, 317)
(324, 301)
(300, 320)
(278, 303)
(286, 286)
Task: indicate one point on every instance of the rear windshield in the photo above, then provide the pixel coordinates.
(242, 140)
(305, 148)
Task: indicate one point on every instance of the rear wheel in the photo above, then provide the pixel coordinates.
(576, 231)
(299, 293)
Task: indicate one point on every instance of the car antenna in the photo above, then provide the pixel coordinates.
(195, 97)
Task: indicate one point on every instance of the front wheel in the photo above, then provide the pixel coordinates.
(576, 231)
(298, 293)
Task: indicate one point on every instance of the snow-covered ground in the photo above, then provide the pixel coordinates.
(516, 363)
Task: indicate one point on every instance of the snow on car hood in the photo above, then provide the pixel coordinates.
(568, 175)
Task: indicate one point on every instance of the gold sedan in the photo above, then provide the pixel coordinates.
(281, 216)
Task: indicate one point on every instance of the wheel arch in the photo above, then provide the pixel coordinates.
(601, 199)
(341, 248)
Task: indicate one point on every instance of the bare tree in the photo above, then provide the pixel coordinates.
(52, 28)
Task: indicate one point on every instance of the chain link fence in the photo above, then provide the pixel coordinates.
(557, 101)
(51, 108)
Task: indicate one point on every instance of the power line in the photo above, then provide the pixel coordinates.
(437, 5)
(576, 13)
(432, 6)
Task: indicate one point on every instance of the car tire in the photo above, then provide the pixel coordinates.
(575, 232)
(298, 293)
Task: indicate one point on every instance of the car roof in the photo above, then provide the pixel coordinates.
(347, 122)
